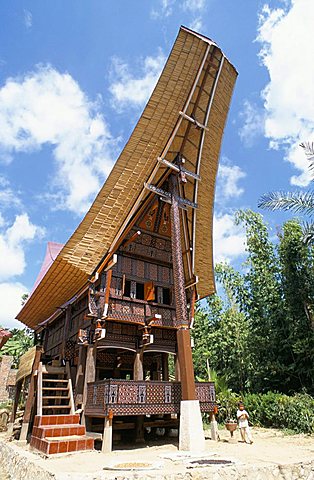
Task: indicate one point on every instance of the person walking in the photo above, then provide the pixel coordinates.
(243, 422)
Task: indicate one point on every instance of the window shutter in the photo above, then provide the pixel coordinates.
(149, 291)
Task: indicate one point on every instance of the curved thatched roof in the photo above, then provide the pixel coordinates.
(196, 83)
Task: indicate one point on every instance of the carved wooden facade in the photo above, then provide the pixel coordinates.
(120, 295)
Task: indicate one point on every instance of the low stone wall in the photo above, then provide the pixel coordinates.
(20, 464)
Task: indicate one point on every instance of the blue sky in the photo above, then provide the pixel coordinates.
(74, 78)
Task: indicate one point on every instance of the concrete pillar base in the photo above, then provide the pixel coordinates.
(191, 435)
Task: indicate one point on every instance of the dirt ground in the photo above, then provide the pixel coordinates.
(270, 447)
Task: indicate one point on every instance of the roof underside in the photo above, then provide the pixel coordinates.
(197, 81)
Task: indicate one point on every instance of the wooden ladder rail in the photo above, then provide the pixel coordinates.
(40, 389)
(70, 389)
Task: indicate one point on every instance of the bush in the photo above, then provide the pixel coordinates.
(227, 405)
(295, 413)
(281, 411)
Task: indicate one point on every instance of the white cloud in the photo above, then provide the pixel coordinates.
(229, 239)
(46, 107)
(191, 8)
(227, 181)
(12, 245)
(254, 123)
(10, 300)
(287, 51)
(165, 9)
(196, 24)
(8, 197)
(128, 90)
(28, 19)
(194, 5)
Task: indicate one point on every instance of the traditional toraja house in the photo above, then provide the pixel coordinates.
(118, 299)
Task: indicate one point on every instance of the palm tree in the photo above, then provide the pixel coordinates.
(298, 202)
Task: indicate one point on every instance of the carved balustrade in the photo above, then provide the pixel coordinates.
(129, 397)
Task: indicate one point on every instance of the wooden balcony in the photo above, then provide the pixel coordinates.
(129, 397)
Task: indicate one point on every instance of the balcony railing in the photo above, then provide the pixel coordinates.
(129, 397)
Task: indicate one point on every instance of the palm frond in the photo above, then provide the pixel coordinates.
(308, 148)
(298, 202)
(308, 233)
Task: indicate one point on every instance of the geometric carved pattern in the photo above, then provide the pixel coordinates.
(135, 311)
(168, 393)
(148, 246)
(113, 394)
(142, 394)
(70, 347)
(128, 397)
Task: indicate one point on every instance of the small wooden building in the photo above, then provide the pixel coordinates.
(118, 300)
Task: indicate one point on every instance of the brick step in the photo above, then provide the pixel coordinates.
(74, 443)
(58, 431)
(51, 420)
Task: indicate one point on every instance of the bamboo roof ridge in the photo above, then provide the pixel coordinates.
(186, 113)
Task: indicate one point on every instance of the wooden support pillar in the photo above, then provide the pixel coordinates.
(107, 436)
(79, 379)
(138, 370)
(66, 327)
(138, 374)
(177, 369)
(31, 395)
(186, 365)
(183, 332)
(165, 367)
(191, 436)
(214, 434)
(90, 376)
(18, 389)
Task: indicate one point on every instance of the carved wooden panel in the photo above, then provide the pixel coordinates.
(128, 397)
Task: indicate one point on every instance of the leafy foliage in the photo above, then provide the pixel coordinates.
(281, 411)
(18, 344)
(259, 335)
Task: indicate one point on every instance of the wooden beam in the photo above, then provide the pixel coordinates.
(194, 121)
(90, 376)
(175, 167)
(183, 333)
(79, 379)
(31, 394)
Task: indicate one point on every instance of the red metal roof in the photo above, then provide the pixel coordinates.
(4, 336)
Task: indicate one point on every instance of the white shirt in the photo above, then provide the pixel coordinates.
(243, 422)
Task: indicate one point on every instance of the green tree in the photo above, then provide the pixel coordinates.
(21, 341)
(259, 333)
(262, 304)
(220, 338)
(297, 278)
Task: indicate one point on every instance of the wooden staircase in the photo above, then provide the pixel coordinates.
(56, 427)
(54, 394)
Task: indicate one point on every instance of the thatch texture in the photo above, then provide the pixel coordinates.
(26, 364)
(198, 80)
